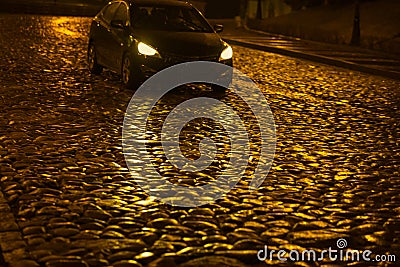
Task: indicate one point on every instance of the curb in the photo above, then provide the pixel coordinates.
(316, 58)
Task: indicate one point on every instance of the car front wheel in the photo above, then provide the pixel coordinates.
(130, 77)
(94, 67)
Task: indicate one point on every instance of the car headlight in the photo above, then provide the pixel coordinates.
(146, 50)
(227, 53)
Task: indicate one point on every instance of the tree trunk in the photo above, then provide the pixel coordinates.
(259, 9)
(355, 37)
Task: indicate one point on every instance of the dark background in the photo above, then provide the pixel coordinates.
(222, 9)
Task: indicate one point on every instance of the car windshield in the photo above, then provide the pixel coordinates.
(169, 18)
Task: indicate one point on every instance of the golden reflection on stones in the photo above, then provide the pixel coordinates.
(64, 173)
(62, 26)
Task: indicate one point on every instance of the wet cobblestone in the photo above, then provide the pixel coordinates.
(335, 174)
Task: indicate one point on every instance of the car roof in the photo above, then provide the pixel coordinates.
(158, 2)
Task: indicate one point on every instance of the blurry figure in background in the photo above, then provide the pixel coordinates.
(241, 19)
(238, 22)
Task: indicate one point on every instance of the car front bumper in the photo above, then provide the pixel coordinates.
(149, 66)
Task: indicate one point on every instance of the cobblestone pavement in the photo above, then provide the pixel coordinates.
(335, 174)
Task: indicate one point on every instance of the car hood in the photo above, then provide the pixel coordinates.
(183, 43)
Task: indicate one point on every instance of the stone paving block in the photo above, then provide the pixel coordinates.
(10, 236)
(15, 255)
(12, 245)
(4, 207)
(8, 225)
(24, 263)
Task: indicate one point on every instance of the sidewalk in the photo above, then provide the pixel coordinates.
(379, 24)
(354, 58)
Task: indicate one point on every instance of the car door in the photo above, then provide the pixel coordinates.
(104, 36)
(119, 33)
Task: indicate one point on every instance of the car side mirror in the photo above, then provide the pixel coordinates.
(119, 24)
(218, 28)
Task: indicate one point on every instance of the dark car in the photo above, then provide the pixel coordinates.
(137, 38)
